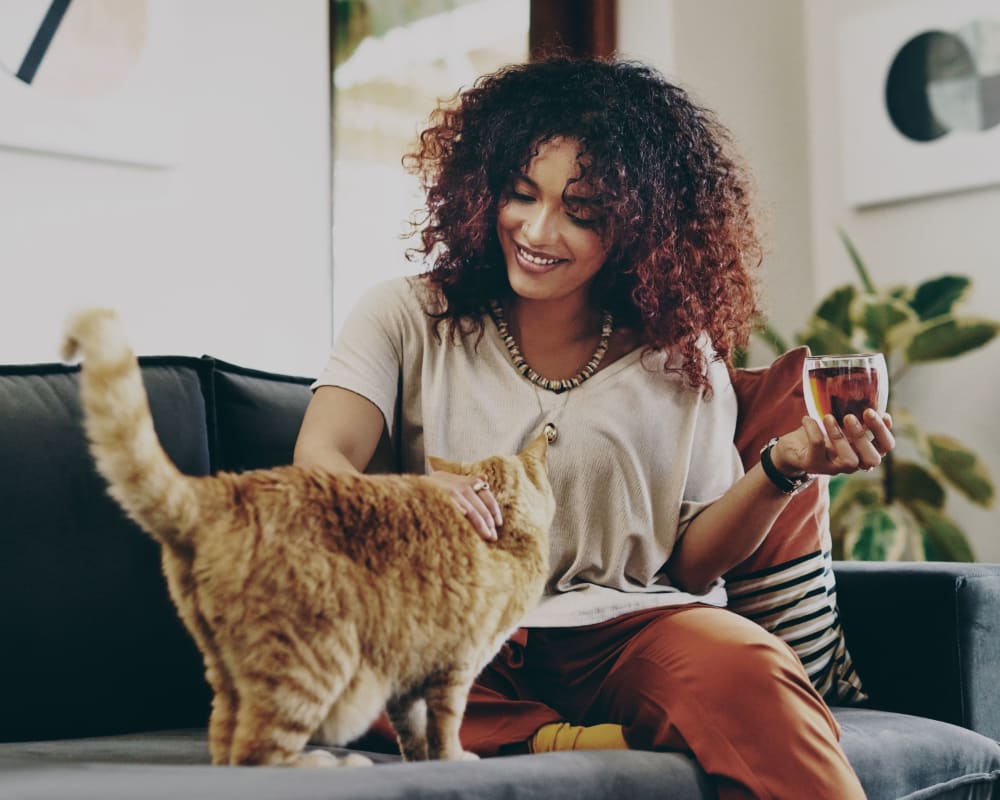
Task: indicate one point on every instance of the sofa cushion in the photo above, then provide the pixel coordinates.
(124, 768)
(913, 758)
(91, 640)
(895, 756)
(787, 585)
(257, 416)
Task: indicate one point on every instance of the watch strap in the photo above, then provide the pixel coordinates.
(785, 483)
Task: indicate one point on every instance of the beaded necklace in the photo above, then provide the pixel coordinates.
(522, 366)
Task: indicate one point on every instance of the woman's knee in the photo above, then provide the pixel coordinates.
(715, 662)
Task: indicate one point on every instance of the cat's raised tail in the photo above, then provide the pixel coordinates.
(119, 426)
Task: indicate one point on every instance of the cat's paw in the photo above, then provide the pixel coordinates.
(466, 755)
(316, 758)
(326, 759)
(355, 760)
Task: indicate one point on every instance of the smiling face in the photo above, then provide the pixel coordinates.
(547, 229)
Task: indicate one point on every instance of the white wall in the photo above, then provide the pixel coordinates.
(769, 68)
(226, 253)
(906, 242)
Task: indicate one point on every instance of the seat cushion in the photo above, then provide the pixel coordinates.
(914, 758)
(165, 766)
(896, 756)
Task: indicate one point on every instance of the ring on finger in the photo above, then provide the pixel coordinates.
(479, 485)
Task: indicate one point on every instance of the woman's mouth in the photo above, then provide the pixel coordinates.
(535, 262)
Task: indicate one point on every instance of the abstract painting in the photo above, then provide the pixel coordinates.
(920, 99)
(90, 79)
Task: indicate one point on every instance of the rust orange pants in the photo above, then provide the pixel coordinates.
(693, 679)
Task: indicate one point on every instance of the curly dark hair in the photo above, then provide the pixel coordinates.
(675, 205)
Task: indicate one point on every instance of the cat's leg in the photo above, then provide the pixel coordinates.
(184, 592)
(286, 689)
(222, 722)
(355, 709)
(446, 693)
(408, 715)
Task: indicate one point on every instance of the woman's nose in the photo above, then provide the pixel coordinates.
(539, 226)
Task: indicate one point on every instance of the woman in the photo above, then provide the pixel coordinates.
(593, 259)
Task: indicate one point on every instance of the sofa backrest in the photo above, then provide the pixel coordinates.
(91, 643)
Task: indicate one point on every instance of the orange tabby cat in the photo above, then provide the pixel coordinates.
(317, 600)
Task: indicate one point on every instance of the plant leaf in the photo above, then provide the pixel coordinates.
(911, 482)
(961, 468)
(879, 316)
(948, 336)
(947, 541)
(835, 308)
(822, 339)
(852, 490)
(877, 537)
(859, 265)
(939, 295)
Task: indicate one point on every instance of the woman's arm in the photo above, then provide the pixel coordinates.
(729, 530)
(339, 432)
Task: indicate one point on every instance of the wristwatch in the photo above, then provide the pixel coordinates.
(786, 484)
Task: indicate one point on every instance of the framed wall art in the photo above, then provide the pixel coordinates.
(920, 99)
(93, 79)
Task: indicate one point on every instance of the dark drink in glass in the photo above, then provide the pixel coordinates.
(845, 384)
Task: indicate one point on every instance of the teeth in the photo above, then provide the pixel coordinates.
(542, 262)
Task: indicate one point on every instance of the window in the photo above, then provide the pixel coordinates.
(393, 60)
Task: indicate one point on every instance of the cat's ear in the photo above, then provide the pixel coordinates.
(440, 464)
(537, 448)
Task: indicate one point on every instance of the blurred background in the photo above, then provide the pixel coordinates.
(227, 172)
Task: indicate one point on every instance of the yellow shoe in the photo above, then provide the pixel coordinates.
(563, 736)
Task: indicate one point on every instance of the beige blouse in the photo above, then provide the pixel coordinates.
(639, 454)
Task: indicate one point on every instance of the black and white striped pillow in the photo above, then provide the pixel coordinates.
(797, 601)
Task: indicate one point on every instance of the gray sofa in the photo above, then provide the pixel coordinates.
(103, 695)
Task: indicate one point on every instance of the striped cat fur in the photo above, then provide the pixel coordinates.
(317, 600)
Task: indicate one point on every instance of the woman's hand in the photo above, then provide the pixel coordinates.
(473, 497)
(839, 450)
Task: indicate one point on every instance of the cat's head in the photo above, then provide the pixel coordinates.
(520, 484)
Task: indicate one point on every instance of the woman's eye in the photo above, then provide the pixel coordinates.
(582, 222)
(524, 198)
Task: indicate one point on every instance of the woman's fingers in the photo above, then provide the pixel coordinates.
(840, 453)
(480, 503)
(472, 496)
(485, 494)
(881, 428)
(869, 456)
(859, 446)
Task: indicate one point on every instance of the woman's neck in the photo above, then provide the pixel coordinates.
(553, 324)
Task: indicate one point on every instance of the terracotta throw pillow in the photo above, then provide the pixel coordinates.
(787, 586)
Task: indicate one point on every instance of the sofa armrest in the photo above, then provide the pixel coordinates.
(925, 638)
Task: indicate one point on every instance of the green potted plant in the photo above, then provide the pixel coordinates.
(898, 510)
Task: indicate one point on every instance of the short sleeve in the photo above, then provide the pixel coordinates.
(367, 355)
(715, 462)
